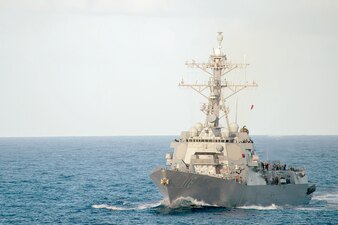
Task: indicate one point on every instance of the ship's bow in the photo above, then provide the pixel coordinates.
(160, 180)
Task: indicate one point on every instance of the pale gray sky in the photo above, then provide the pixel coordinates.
(99, 67)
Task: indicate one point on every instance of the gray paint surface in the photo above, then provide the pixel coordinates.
(227, 193)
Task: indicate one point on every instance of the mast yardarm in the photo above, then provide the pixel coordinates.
(217, 67)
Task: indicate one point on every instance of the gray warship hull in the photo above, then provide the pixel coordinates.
(227, 193)
(218, 164)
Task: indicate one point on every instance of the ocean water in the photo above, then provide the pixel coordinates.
(104, 180)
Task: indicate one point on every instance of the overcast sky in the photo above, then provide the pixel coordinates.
(99, 67)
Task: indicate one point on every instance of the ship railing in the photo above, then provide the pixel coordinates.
(294, 168)
(217, 140)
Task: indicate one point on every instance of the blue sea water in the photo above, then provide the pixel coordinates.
(104, 180)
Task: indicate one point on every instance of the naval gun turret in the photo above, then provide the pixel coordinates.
(216, 162)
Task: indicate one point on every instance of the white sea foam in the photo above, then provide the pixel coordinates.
(149, 205)
(111, 207)
(138, 207)
(186, 202)
(331, 198)
(308, 208)
(259, 207)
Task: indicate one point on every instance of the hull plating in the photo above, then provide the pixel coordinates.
(227, 193)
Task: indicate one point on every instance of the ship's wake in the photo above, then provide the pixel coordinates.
(193, 203)
(183, 202)
(180, 204)
(320, 201)
(187, 205)
(126, 208)
(259, 207)
(330, 198)
(326, 200)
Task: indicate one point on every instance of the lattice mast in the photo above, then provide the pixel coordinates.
(217, 68)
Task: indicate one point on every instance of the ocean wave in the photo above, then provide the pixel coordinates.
(311, 208)
(111, 207)
(194, 203)
(186, 202)
(325, 200)
(182, 202)
(328, 197)
(259, 207)
(149, 205)
(118, 208)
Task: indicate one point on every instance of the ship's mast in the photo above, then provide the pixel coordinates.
(217, 68)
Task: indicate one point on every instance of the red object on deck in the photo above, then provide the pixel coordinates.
(243, 155)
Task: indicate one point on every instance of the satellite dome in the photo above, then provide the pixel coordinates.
(211, 118)
(233, 128)
(199, 127)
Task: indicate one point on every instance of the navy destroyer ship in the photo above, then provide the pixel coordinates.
(216, 163)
